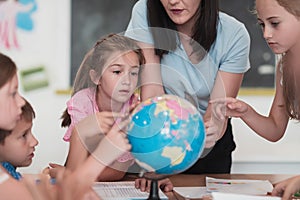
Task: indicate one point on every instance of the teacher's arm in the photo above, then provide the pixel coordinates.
(151, 81)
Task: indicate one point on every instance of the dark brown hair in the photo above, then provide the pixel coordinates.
(96, 59)
(28, 115)
(7, 68)
(204, 30)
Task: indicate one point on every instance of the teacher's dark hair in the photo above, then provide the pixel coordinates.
(204, 30)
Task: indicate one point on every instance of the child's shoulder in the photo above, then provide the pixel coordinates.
(11, 170)
(83, 96)
(3, 176)
(87, 93)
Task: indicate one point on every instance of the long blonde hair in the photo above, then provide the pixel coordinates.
(291, 87)
(290, 77)
(95, 60)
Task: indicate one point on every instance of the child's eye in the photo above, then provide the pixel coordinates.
(24, 135)
(274, 24)
(14, 93)
(116, 71)
(134, 73)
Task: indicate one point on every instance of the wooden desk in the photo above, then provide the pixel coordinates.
(185, 180)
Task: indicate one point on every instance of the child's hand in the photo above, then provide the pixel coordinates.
(99, 123)
(107, 119)
(115, 143)
(53, 170)
(228, 107)
(145, 185)
(287, 188)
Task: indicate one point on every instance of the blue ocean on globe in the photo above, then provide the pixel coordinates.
(167, 134)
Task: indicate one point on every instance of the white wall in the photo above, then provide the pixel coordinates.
(49, 45)
(257, 155)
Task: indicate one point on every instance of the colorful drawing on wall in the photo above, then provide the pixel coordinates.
(15, 14)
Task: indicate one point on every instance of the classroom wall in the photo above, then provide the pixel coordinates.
(49, 45)
(257, 155)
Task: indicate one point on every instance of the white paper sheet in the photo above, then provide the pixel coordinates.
(236, 186)
(191, 192)
(121, 190)
(227, 196)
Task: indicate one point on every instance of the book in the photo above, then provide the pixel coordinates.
(121, 190)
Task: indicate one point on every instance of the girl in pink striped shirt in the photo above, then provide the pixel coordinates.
(105, 84)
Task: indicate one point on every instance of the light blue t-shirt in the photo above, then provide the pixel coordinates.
(229, 53)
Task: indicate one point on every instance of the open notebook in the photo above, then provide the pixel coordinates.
(121, 190)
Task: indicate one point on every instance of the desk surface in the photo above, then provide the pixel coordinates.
(186, 180)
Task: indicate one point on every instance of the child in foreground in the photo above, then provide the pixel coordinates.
(70, 185)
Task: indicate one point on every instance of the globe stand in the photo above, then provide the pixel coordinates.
(154, 189)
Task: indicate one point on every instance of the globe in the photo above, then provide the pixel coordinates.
(167, 134)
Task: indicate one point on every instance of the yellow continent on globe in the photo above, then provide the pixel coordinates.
(172, 153)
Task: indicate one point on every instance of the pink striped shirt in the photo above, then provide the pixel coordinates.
(83, 104)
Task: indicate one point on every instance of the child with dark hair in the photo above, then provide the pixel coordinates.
(18, 145)
(69, 185)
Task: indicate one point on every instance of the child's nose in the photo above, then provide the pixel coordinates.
(126, 79)
(34, 141)
(267, 33)
(20, 100)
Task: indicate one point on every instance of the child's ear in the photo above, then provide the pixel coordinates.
(94, 77)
